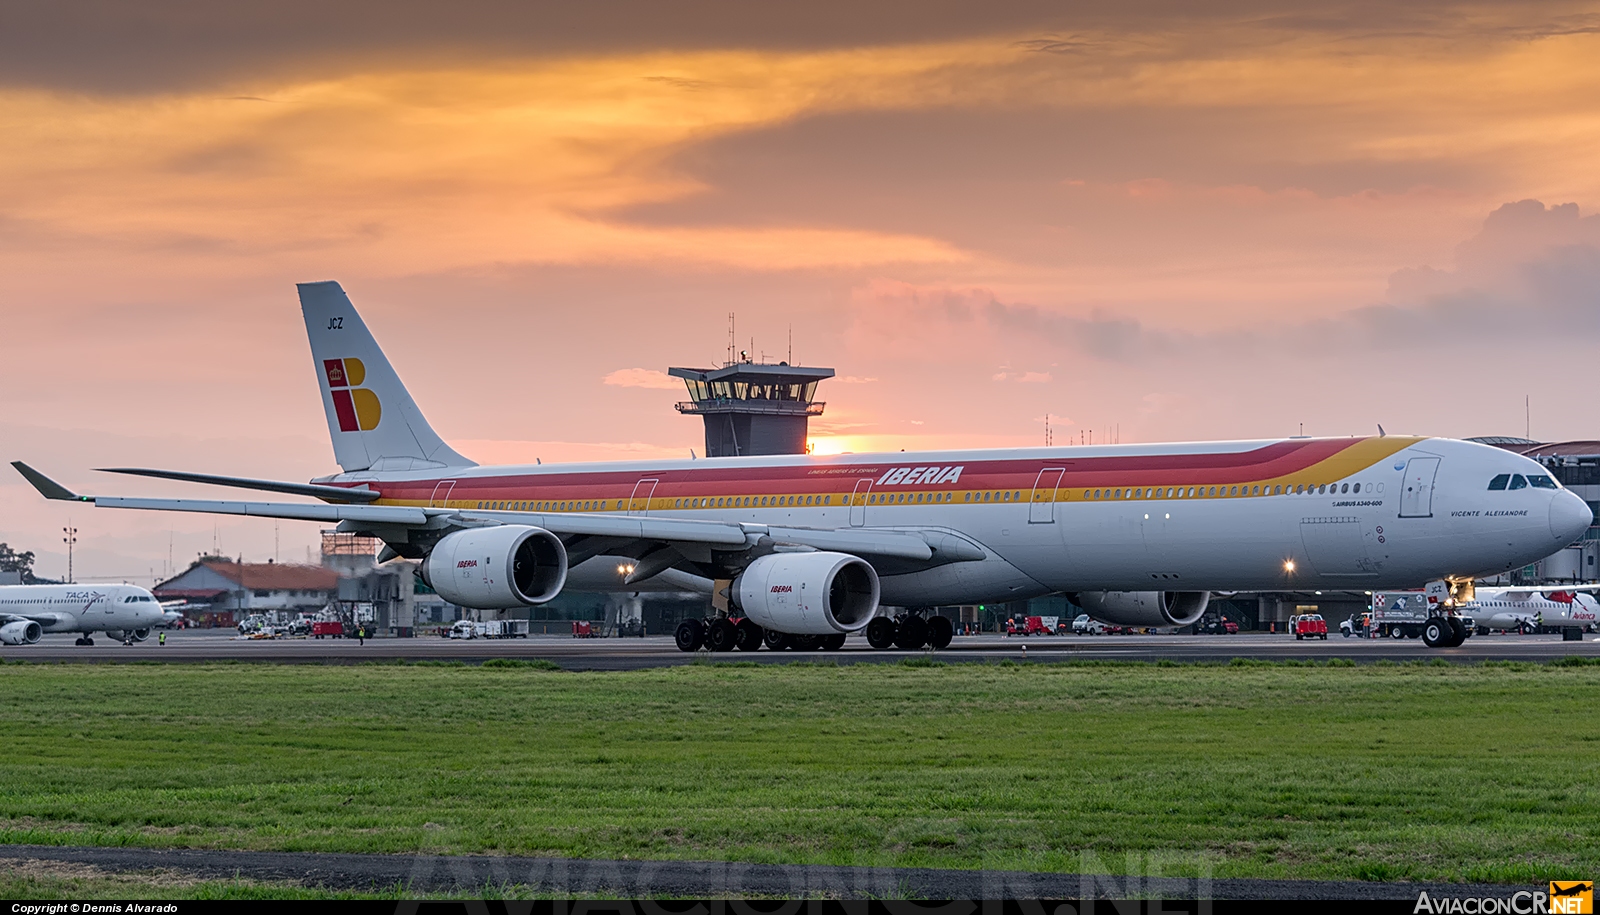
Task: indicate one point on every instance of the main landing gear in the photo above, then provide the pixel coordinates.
(84, 640)
(910, 630)
(724, 634)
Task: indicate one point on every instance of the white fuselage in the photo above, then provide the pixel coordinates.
(1315, 513)
(81, 608)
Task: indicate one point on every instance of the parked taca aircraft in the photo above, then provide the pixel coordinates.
(120, 611)
(800, 550)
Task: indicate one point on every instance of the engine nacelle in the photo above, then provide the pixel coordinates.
(1145, 608)
(497, 568)
(808, 593)
(21, 632)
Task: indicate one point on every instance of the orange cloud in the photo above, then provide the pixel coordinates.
(642, 378)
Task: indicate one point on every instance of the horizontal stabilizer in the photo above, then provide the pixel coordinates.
(334, 493)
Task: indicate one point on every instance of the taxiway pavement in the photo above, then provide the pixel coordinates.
(659, 651)
(702, 879)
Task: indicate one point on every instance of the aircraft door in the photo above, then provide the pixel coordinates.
(1416, 492)
(858, 502)
(1042, 508)
(441, 494)
(639, 502)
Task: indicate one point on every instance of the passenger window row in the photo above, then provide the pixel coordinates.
(620, 504)
(1210, 492)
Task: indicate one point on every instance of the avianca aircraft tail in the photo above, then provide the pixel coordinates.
(374, 423)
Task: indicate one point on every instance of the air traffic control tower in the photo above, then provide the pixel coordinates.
(753, 408)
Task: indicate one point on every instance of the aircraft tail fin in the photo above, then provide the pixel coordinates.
(374, 423)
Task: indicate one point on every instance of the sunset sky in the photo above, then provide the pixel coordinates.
(1176, 220)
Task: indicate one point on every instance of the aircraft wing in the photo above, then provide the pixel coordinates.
(329, 493)
(916, 546)
(44, 619)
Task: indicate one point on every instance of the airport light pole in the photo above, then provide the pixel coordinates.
(69, 540)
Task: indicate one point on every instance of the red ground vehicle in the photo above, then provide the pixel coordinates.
(582, 629)
(1040, 625)
(1309, 626)
(322, 629)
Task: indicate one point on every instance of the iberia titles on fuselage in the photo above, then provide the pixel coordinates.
(846, 532)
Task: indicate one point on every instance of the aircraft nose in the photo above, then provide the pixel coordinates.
(1569, 517)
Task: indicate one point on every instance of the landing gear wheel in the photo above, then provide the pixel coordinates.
(88, 641)
(804, 642)
(880, 633)
(913, 633)
(1483, 630)
(1436, 632)
(833, 642)
(777, 641)
(940, 632)
(691, 635)
(749, 635)
(722, 635)
(79, 641)
(1459, 633)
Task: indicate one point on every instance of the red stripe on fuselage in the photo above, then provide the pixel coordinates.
(824, 475)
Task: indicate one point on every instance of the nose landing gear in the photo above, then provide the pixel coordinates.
(1444, 632)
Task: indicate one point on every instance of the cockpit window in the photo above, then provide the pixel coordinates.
(1542, 482)
(1500, 481)
(1518, 481)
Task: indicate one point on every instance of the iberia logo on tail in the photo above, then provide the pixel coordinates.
(358, 409)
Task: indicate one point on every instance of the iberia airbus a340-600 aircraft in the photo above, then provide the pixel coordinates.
(801, 550)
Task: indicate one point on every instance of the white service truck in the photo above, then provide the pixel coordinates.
(1408, 614)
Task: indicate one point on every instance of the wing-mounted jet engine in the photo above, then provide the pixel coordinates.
(20, 632)
(1145, 608)
(792, 599)
(497, 568)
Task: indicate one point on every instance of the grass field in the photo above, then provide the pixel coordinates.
(1482, 773)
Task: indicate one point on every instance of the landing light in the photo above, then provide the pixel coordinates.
(624, 569)
(1288, 565)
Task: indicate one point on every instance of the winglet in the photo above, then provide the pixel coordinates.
(1381, 433)
(47, 487)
